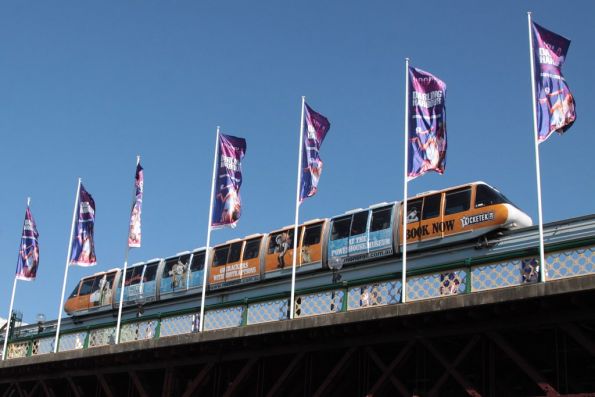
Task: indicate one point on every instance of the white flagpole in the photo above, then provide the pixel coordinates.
(76, 203)
(537, 166)
(14, 287)
(206, 265)
(297, 213)
(406, 164)
(126, 260)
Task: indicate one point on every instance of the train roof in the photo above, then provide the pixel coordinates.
(306, 223)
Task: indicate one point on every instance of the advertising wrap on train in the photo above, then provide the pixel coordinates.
(362, 245)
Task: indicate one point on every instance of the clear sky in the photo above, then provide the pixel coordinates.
(86, 86)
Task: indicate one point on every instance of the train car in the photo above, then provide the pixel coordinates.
(93, 293)
(236, 262)
(182, 273)
(140, 284)
(279, 245)
(459, 213)
(433, 219)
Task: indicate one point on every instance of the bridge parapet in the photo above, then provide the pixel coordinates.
(443, 281)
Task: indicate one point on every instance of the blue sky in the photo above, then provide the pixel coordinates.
(86, 86)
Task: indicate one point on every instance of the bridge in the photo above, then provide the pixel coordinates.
(476, 321)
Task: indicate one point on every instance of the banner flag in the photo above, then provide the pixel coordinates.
(28, 259)
(427, 127)
(315, 128)
(555, 104)
(227, 205)
(83, 246)
(134, 233)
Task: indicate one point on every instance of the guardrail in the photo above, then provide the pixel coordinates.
(466, 278)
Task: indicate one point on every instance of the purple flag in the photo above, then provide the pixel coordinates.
(83, 247)
(28, 260)
(315, 128)
(427, 124)
(555, 104)
(227, 206)
(134, 233)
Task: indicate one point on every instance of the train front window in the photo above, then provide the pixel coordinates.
(431, 208)
(380, 219)
(341, 228)
(198, 261)
(234, 252)
(485, 195)
(87, 286)
(75, 292)
(359, 223)
(220, 257)
(312, 235)
(252, 248)
(457, 201)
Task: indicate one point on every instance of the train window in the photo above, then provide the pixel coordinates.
(150, 272)
(235, 252)
(252, 247)
(110, 280)
(413, 210)
(431, 208)
(278, 240)
(380, 219)
(170, 263)
(75, 292)
(312, 235)
(485, 195)
(341, 228)
(133, 276)
(87, 286)
(359, 223)
(457, 201)
(220, 257)
(198, 261)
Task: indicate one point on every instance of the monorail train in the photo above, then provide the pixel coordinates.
(433, 219)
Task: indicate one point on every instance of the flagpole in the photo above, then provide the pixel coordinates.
(297, 213)
(405, 193)
(205, 268)
(14, 287)
(125, 262)
(76, 203)
(537, 162)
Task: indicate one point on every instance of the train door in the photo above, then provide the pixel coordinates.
(132, 283)
(455, 203)
(380, 235)
(431, 214)
(311, 244)
(149, 281)
(279, 250)
(349, 238)
(413, 221)
(197, 269)
(226, 264)
(101, 293)
(174, 277)
(250, 266)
